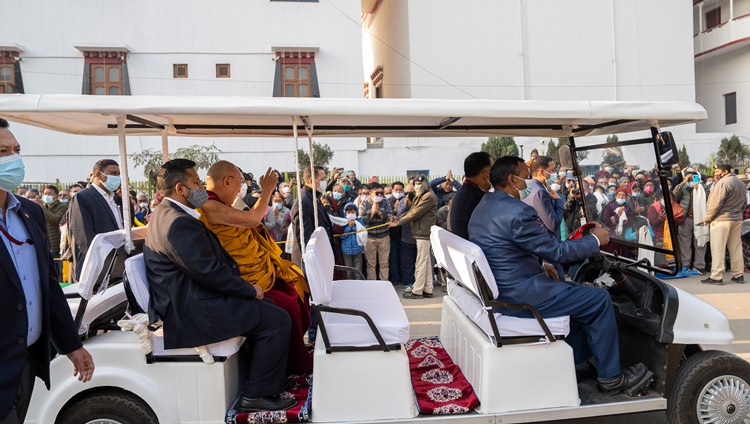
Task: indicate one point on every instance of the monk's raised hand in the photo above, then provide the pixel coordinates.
(269, 180)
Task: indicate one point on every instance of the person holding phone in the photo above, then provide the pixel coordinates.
(693, 254)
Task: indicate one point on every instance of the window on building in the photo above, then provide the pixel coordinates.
(730, 108)
(106, 79)
(713, 18)
(296, 74)
(223, 70)
(179, 70)
(10, 70)
(105, 71)
(7, 79)
(296, 80)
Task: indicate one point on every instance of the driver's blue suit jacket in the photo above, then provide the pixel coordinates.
(513, 237)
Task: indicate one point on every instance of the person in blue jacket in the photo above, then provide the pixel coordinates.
(349, 246)
(513, 238)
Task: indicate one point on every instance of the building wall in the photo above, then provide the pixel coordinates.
(538, 50)
(160, 34)
(719, 75)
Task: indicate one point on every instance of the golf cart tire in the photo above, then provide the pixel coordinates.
(693, 377)
(115, 405)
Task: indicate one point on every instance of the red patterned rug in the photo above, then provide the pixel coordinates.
(440, 385)
(298, 413)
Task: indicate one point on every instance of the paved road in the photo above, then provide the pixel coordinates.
(732, 299)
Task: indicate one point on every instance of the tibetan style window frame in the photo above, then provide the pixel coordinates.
(109, 58)
(10, 58)
(297, 58)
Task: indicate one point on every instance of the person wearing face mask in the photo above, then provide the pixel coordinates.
(394, 257)
(686, 193)
(95, 210)
(192, 275)
(275, 217)
(420, 217)
(54, 210)
(724, 210)
(514, 242)
(477, 182)
(605, 172)
(338, 196)
(33, 308)
(636, 200)
(618, 214)
(350, 246)
(546, 202)
(374, 212)
(308, 211)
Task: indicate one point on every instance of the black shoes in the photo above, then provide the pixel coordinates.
(710, 280)
(632, 380)
(739, 280)
(266, 403)
(411, 295)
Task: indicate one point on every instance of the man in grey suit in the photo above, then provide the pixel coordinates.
(197, 291)
(94, 210)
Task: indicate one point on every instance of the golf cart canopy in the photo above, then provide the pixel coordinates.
(338, 117)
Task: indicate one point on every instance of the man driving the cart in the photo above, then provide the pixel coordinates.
(515, 240)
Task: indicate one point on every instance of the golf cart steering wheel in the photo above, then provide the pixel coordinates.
(582, 231)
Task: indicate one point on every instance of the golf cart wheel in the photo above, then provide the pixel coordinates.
(711, 387)
(108, 407)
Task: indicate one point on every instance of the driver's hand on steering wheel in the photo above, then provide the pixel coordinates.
(602, 235)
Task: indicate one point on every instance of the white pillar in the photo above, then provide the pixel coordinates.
(125, 183)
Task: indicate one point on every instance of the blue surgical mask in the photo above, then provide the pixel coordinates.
(662, 202)
(636, 194)
(347, 187)
(552, 178)
(12, 172)
(112, 183)
(337, 196)
(620, 201)
(63, 200)
(690, 184)
(278, 205)
(522, 194)
(47, 199)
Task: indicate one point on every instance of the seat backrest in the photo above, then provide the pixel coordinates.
(105, 254)
(135, 269)
(458, 257)
(319, 263)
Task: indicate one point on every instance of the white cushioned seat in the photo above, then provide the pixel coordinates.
(135, 269)
(378, 300)
(98, 305)
(458, 257)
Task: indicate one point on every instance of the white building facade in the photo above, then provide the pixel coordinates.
(514, 50)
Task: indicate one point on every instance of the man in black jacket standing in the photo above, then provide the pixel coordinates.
(477, 172)
(33, 309)
(197, 291)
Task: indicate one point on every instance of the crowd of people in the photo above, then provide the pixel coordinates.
(214, 248)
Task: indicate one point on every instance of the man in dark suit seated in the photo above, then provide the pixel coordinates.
(197, 291)
(477, 172)
(94, 210)
(33, 310)
(513, 239)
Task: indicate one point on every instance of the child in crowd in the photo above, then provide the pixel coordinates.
(349, 246)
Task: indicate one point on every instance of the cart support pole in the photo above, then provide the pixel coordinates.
(164, 145)
(299, 186)
(125, 184)
(309, 130)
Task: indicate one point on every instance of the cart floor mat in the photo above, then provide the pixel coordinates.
(296, 414)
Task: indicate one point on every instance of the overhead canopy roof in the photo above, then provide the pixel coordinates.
(337, 117)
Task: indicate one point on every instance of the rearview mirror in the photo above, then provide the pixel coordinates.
(668, 154)
(566, 160)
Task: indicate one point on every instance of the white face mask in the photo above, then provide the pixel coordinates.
(351, 216)
(322, 185)
(378, 199)
(555, 187)
(388, 196)
(143, 205)
(398, 196)
(286, 190)
(243, 190)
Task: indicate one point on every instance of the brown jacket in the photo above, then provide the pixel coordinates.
(423, 213)
(727, 200)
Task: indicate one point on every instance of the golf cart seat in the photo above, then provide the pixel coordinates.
(98, 298)
(136, 284)
(362, 325)
(523, 353)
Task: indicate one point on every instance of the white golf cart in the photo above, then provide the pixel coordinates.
(519, 367)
